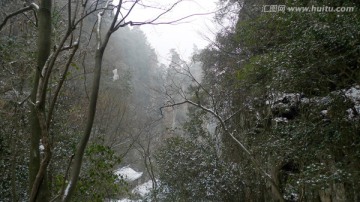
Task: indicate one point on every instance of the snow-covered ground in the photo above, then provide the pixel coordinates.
(128, 174)
(125, 200)
(354, 95)
(143, 189)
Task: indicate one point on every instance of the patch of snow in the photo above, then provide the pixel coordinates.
(67, 189)
(353, 94)
(294, 197)
(322, 100)
(280, 100)
(351, 114)
(305, 100)
(280, 120)
(283, 99)
(128, 174)
(116, 75)
(41, 147)
(125, 200)
(357, 108)
(143, 189)
(221, 73)
(324, 112)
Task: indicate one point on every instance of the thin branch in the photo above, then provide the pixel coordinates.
(118, 25)
(168, 10)
(32, 6)
(112, 26)
(69, 13)
(47, 69)
(153, 7)
(22, 102)
(35, 24)
(89, 13)
(152, 22)
(76, 10)
(231, 116)
(60, 84)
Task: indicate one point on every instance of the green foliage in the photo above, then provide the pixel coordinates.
(98, 180)
(194, 128)
(285, 75)
(316, 52)
(191, 171)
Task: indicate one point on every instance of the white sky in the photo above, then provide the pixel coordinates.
(180, 36)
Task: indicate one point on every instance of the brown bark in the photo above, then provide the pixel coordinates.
(44, 47)
(13, 167)
(276, 182)
(39, 188)
(325, 195)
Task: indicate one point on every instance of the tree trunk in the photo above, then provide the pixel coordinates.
(325, 195)
(13, 166)
(77, 163)
(276, 185)
(44, 47)
(79, 155)
(339, 192)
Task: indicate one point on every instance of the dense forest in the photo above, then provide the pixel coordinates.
(268, 111)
